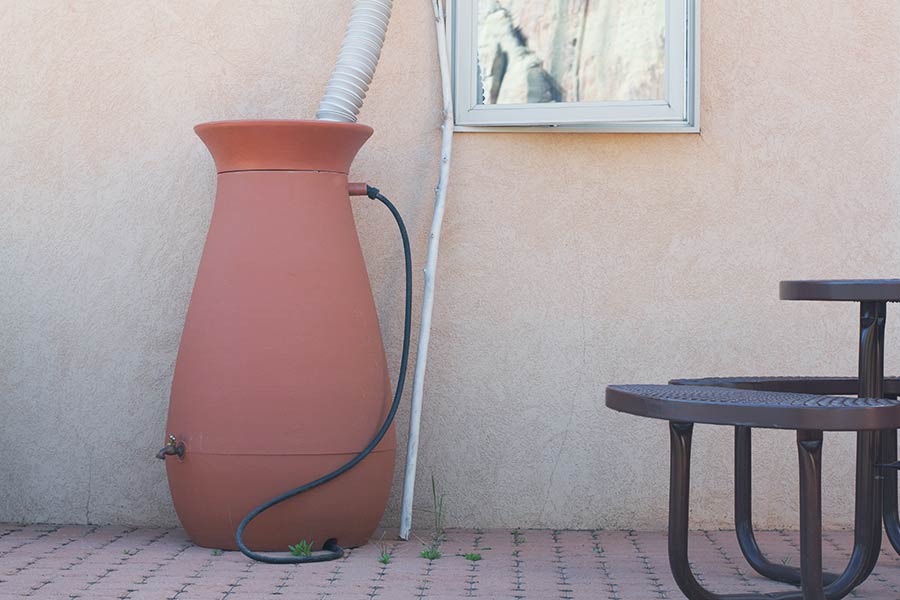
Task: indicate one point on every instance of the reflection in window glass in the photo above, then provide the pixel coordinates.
(571, 50)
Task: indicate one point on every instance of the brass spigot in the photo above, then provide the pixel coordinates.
(172, 448)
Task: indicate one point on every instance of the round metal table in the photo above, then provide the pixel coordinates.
(872, 296)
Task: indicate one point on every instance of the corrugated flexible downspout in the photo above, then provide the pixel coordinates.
(357, 61)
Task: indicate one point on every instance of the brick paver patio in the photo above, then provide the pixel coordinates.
(67, 562)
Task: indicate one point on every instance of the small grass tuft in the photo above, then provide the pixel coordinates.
(473, 556)
(217, 552)
(302, 548)
(385, 557)
(431, 553)
(438, 502)
(432, 550)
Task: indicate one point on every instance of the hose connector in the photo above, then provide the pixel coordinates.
(363, 189)
(357, 189)
(172, 448)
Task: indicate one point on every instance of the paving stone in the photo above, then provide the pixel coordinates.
(48, 562)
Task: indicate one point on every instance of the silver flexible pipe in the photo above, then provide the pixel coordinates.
(357, 61)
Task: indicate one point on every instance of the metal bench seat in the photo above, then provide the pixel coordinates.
(809, 415)
(774, 410)
(743, 465)
(830, 386)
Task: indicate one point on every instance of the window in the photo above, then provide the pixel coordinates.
(575, 65)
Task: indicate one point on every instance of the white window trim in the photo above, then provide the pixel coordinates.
(678, 113)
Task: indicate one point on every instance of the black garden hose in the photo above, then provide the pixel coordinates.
(331, 550)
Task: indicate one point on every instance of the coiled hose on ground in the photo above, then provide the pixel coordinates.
(331, 550)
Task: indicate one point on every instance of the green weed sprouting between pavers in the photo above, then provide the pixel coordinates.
(385, 556)
(302, 548)
(432, 551)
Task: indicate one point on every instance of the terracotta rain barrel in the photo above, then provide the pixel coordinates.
(281, 375)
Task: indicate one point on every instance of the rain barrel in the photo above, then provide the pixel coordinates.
(281, 374)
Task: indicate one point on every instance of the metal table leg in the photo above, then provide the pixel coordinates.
(809, 450)
(871, 371)
(872, 317)
(809, 446)
(743, 520)
(889, 481)
(869, 447)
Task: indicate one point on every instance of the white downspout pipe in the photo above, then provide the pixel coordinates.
(357, 61)
(431, 262)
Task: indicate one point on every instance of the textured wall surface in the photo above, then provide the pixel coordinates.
(568, 261)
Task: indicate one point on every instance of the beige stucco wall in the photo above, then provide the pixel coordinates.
(568, 261)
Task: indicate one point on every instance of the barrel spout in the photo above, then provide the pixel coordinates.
(172, 448)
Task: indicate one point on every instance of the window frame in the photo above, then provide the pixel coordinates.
(679, 112)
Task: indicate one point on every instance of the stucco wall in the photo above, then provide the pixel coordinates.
(568, 261)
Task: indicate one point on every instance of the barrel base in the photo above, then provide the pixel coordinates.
(212, 493)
